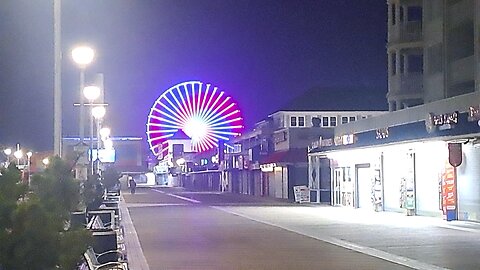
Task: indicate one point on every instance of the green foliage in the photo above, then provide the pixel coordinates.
(32, 224)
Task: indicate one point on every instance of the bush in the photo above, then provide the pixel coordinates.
(33, 223)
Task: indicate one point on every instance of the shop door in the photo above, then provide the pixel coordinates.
(337, 181)
(364, 186)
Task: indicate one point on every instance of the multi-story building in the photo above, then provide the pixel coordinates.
(421, 158)
(432, 53)
(272, 158)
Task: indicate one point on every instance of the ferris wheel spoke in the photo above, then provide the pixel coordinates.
(215, 135)
(209, 107)
(187, 97)
(199, 98)
(226, 122)
(215, 110)
(180, 113)
(160, 131)
(164, 119)
(220, 115)
(173, 118)
(185, 106)
(202, 107)
(226, 133)
(180, 106)
(176, 115)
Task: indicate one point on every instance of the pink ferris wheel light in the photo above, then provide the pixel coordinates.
(204, 113)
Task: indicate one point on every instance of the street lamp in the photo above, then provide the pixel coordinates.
(91, 93)
(29, 156)
(18, 155)
(7, 152)
(98, 113)
(46, 161)
(105, 133)
(82, 56)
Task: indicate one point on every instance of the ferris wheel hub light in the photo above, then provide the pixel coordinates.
(196, 129)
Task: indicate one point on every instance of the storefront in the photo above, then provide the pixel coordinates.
(408, 168)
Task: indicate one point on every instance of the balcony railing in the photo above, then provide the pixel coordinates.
(405, 32)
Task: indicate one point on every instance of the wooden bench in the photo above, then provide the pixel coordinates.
(92, 263)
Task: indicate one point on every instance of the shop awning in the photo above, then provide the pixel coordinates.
(286, 157)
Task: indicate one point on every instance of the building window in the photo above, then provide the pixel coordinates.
(344, 119)
(393, 58)
(364, 116)
(333, 121)
(293, 121)
(394, 17)
(301, 121)
(352, 119)
(325, 121)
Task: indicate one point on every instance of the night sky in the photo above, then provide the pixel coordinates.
(262, 52)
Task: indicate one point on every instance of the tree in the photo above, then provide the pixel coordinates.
(33, 229)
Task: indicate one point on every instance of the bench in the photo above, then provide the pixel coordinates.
(92, 263)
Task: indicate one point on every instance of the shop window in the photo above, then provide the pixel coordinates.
(333, 121)
(344, 119)
(293, 121)
(301, 121)
(352, 119)
(325, 121)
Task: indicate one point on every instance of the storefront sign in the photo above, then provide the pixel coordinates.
(474, 113)
(455, 154)
(449, 193)
(344, 139)
(381, 133)
(441, 121)
(301, 194)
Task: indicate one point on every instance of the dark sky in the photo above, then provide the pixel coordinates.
(261, 52)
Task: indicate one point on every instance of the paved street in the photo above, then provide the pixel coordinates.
(188, 230)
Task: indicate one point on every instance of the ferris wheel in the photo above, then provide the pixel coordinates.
(204, 113)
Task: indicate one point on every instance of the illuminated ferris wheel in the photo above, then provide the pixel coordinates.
(204, 113)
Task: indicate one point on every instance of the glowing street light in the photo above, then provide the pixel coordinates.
(105, 133)
(7, 153)
(46, 161)
(18, 155)
(82, 56)
(91, 92)
(108, 143)
(98, 113)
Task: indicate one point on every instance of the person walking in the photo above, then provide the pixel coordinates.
(132, 184)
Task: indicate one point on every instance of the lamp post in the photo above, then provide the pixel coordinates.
(18, 155)
(82, 56)
(98, 113)
(91, 93)
(46, 161)
(29, 156)
(7, 152)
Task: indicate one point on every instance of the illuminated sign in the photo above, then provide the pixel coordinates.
(203, 112)
(441, 121)
(381, 133)
(473, 113)
(344, 139)
(449, 193)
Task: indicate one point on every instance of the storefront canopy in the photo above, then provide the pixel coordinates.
(291, 156)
